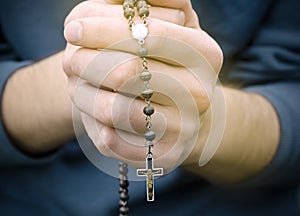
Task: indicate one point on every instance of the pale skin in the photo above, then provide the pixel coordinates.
(36, 108)
(251, 136)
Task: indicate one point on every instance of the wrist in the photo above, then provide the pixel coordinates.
(249, 142)
(36, 108)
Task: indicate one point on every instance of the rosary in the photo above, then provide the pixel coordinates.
(139, 32)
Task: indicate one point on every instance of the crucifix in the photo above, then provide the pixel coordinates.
(150, 172)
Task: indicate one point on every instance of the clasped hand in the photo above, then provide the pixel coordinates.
(103, 72)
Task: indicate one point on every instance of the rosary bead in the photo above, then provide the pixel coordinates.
(147, 94)
(142, 52)
(123, 183)
(142, 8)
(141, 3)
(129, 12)
(128, 4)
(123, 190)
(148, 110)
(150, 135)
(124, 210)
(145, 76)
(140, 32)
(122, 176)
(144, 11)
(122, 164)
(123, 169)
(124, 196)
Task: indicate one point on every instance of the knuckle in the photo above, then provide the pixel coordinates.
(79, 61)
(68, 59)
(214, 54)
(77, 11)
(125, 72)
(103, 109)
(106, 141)
(220, 58)
(72, 88)
(66, 63)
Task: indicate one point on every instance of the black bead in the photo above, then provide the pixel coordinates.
(124, 210)
(124, 196)
(148, 110)
(123, 183)
(123, 190)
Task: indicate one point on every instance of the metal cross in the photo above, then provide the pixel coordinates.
(150, 172)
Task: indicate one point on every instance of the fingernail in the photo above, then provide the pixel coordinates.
(73, 32)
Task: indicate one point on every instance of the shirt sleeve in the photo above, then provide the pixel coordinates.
(29, 31)
(270, 66)
(260, 42)
(285, 166)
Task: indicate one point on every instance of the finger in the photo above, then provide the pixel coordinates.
(98, 9)
(107, 141)
(129, 147)
(67, 58)
(120, 71)
(126, 114)
(115, 110)
(113, 33)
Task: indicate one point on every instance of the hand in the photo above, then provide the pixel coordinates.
(103, 74)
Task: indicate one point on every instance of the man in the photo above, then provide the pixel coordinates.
(76, 187)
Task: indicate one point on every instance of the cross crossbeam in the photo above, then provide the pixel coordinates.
(150, 172)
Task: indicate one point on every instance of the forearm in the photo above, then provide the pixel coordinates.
(249, 142)
(36, 108)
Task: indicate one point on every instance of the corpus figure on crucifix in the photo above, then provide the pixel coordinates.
(150, 172)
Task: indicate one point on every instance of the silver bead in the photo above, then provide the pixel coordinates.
(150, 135)
(142, 52)
(145, 76)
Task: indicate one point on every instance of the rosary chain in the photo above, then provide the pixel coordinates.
(140, 32)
